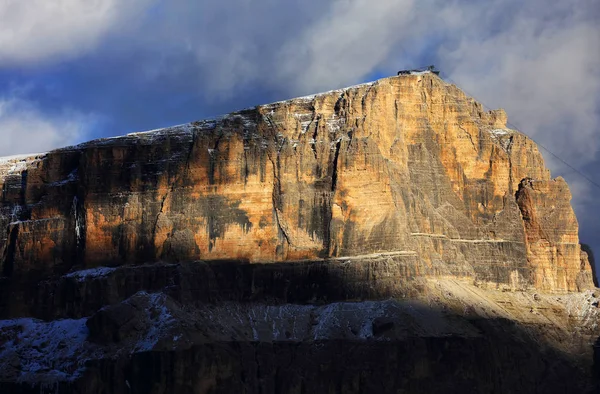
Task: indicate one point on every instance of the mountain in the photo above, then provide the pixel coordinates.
(388, 237)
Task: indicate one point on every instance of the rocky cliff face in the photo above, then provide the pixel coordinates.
(283, 222)
(403, 164)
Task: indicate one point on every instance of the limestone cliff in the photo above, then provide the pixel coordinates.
(407, 164)
(388, 189)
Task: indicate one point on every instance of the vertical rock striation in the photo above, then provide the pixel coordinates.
(402, 164)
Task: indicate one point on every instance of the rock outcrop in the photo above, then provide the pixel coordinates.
(290, 224)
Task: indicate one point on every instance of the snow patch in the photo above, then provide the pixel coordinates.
(314, 96)
(246, 121)
(78, 221)
(304, 126)
(16, 213)
(161, 319)
(91, 273)
(186, 127)
(9, 159)
(335, 123)
(72, 177)
(499, 132)
(48, 348)
(311, 97)
(19, 163)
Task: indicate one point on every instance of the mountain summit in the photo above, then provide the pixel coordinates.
(377, 238)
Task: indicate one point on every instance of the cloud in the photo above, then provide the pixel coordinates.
(24, 128)
(537, 60)
(542, 68)
(348, 42)
(41, 30)
(221, 48)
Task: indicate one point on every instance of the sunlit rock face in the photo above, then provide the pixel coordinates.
(388, 237)
(406, 164)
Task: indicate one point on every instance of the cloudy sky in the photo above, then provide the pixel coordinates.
(73, 70)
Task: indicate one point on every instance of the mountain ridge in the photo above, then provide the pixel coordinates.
(318, 128)
(395, 211)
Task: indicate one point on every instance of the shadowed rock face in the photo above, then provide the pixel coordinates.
(292, 225)
(296, 328)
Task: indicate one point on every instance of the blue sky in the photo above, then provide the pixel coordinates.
(72, 70)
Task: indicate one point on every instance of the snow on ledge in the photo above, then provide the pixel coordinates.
(18, 163)
(21, 157)
(43, 349)
(91, 273)
(313, 96)
(186, 127)
(499, 132)
(160, 316)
